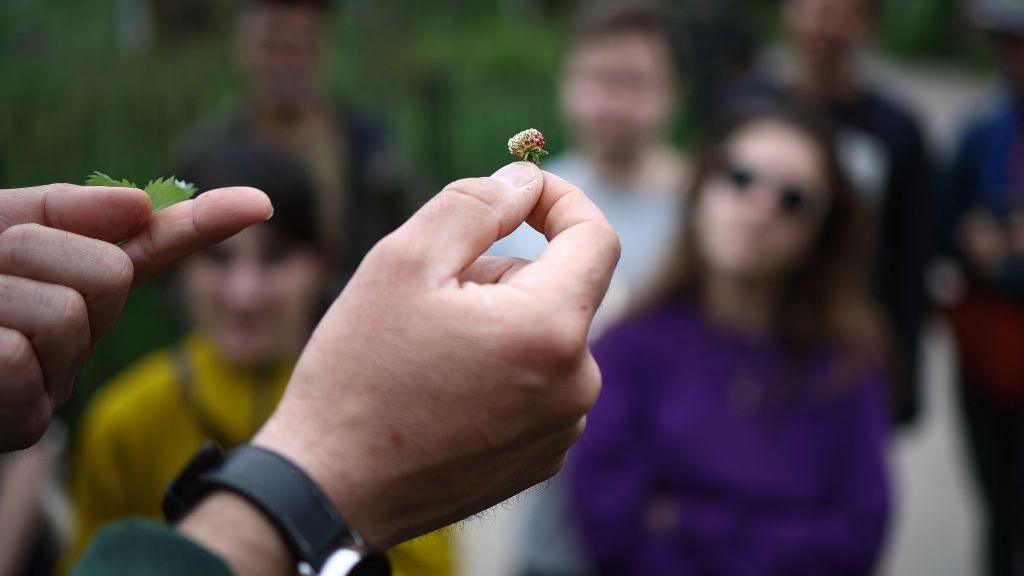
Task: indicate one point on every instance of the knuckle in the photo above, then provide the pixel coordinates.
(37, 420)
(588, 387)
(62, 392)
(391, 253)
(614, 243)
(382, 250)
(578, 430)
(604, 239)
(22, 232)
(563, 343)
(15, 353)
(479, 194)
(16, 239)
(554, 466)
(119, 271)
(143, 248)
(476, 190)
(577, 397)
(71, 315)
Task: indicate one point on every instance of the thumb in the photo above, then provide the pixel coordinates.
(179, 230)
(461, 222)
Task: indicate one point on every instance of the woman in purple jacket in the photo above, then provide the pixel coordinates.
(741, 429)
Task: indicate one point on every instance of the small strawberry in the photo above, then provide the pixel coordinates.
(528, 145)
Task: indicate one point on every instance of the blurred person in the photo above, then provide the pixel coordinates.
(983, 231)
(282, 52)
(252, 300)
(741, 427)
(884, 155)
(720, 48)
(619, 91)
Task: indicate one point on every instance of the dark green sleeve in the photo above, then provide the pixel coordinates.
(142, 547)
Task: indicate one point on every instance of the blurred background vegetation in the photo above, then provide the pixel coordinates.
(112, 85)
(92, 85)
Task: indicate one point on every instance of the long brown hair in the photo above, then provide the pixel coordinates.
(824, 297)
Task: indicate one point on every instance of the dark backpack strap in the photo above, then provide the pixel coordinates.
(186, 387)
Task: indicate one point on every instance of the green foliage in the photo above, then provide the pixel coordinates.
(162, 192)
(931, 29)
(76, 100)
(535, 154)
(101, 179)
(452, 85)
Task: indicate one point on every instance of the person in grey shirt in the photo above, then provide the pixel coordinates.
(619, 92)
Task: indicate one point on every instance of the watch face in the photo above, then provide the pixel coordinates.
(349, 562)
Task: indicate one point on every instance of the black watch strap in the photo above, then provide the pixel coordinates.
(302, 513)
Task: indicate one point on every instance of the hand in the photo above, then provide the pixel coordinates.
(442, 382)
(63, 279)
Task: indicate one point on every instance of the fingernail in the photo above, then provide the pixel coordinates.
(516, 174)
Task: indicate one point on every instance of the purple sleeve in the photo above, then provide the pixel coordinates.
(845, 536)
(611, 475)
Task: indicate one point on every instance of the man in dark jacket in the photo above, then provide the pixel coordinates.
(281, 51)
(983, 230)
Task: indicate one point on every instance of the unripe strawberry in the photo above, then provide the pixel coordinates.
(527, 145)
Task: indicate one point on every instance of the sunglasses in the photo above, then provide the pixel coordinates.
(794, 200)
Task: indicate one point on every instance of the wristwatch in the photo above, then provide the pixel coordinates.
(323, 542)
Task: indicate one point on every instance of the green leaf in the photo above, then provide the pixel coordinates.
(535, 154)
(164, 193)
(101, 179)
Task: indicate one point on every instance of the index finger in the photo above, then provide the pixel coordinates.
(582, 249)
(108, 214)
(183, 228)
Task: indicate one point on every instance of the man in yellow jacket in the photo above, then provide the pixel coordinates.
(252, 300)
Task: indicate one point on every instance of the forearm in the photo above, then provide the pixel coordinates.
(256, 528)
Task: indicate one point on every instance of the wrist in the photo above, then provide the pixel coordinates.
(341, 474)
(234, 529)
(289, 506)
